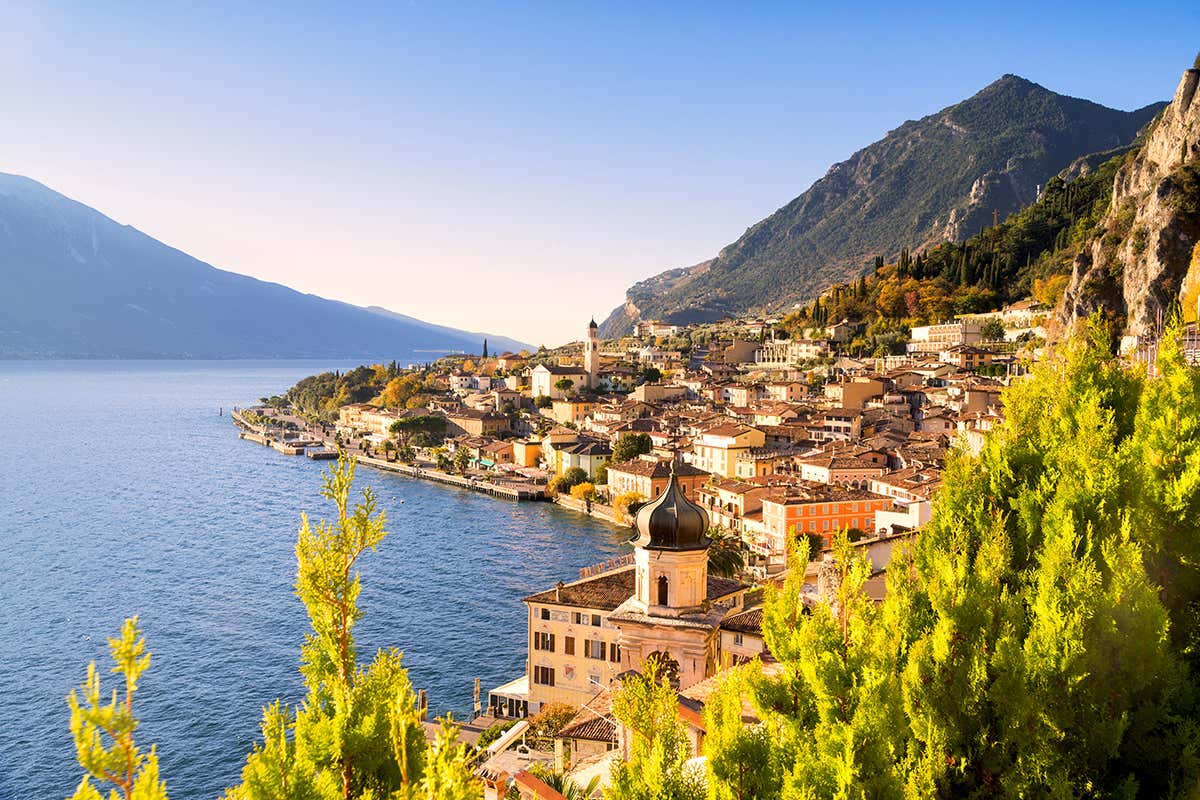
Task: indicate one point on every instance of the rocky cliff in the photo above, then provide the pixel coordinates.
(936, 178)
(1136, 265)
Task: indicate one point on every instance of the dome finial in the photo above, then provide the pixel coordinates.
(672, 521)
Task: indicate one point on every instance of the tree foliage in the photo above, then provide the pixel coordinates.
(656, 769)
(630, 446)
(103, 731)
(1037, 640)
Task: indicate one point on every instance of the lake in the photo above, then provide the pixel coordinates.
(124, 491)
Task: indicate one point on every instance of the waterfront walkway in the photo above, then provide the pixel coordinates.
(297, 445)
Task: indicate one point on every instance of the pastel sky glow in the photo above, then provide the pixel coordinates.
(510, 166)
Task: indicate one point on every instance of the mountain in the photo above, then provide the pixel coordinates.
(929, 180)
(76, 284)
(1145, 255)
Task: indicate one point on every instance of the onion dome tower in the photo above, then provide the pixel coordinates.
(671, 554)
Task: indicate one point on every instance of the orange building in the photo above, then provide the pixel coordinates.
(817, 508)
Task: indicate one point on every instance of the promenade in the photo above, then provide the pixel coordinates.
(310, 439)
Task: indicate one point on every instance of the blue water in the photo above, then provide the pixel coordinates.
(123, 492)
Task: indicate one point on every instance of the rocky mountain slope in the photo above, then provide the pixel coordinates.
(936, 178)
(1137, 265)
(77, 284)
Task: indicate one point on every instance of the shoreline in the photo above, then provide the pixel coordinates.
(302, 446)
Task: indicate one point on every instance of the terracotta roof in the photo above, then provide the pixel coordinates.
(748, 621)
(653, 469)
(728, 429)
(608, 590)
(594, 721)
(605, 591)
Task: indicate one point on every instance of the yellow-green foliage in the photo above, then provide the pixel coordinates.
(622, 502)
(1190, 292)
(1041, 638)
(356, 734)
(658, 745)
(103, 731)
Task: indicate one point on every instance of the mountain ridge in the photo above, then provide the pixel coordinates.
(934, 178)
(82, 285)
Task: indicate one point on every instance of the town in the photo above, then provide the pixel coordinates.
(741, 436)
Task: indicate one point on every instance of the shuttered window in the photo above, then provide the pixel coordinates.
(569, 645)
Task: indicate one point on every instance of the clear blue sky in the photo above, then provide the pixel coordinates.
(510, 166)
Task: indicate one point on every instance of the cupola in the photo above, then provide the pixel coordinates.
(671, 521)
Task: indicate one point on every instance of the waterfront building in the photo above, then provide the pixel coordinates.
(675, 613)
(664, 605)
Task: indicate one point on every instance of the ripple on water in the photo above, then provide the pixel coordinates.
(132, 496)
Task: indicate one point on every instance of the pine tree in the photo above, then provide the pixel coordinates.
(648, 708)
(485, 350)
(357, 733)
(133, 775)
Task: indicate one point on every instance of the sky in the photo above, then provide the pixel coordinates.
(510, 167)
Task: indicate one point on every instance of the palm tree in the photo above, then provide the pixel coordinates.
(726, 555)
(562, 783)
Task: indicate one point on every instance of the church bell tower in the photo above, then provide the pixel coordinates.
(671, 555)
(591, 355)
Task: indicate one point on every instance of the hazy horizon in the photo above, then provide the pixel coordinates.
(543, 158)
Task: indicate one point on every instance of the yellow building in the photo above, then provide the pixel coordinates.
(526, 452)
(717, 449)
(573, 650)
(573, 411)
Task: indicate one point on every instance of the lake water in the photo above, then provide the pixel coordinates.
(124, 492)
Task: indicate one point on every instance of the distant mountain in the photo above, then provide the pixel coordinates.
(938, 178)
(76, 284)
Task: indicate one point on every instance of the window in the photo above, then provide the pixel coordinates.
(580, 618)
(812, 525)
(614, 653)
(595, 649)
(662, 590)
(825, 525)
(543, 676)
(737, 638)
(544, 613)
(543, 641)
(569, 645)
(596, 620)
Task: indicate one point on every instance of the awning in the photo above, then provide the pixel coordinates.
(516, 689)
